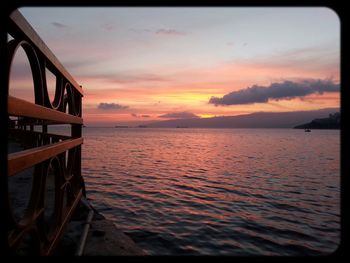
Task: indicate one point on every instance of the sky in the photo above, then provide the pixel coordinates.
(149, 64)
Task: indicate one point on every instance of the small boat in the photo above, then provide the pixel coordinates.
(307, 130)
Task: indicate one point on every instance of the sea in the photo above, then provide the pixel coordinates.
(236, 192)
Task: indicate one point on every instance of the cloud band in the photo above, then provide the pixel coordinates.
(276, 91)
(111, 106)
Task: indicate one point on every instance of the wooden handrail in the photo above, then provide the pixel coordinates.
(22, 25)
(53, 135)
(22, 160)
(19, 107)
(69, 183)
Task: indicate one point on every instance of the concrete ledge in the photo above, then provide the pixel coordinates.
(103, 239)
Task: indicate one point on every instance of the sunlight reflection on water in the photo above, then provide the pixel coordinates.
(218, 191)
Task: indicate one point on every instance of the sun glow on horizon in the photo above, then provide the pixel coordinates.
(140, 70)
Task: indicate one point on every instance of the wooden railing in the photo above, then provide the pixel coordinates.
(49, 155)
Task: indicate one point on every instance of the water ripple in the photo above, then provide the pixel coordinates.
(218, 191)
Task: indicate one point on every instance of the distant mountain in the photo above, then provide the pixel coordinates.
(332, 122)
(254, 120)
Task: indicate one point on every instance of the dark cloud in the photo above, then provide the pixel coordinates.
(172, 32)
(111, 106)
(59, 25)
(179, 115)
(276, 91)
(108, 27)
(140, 30)
(161, 31)
(140, 116)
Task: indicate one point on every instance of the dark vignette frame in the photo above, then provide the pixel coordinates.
(338, 7)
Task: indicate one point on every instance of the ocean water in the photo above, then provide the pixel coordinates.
(238, 192)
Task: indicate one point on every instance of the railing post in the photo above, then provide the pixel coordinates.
(44, 151)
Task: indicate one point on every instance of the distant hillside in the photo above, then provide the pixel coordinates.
(254, 120)
(332, 122)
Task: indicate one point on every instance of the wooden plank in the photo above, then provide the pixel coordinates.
(22, 160)
(31, 121)
(21, 23)
(37, 122)
(56, 136)
(19, 107)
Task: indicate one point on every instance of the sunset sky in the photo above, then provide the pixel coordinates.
(147, 64)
